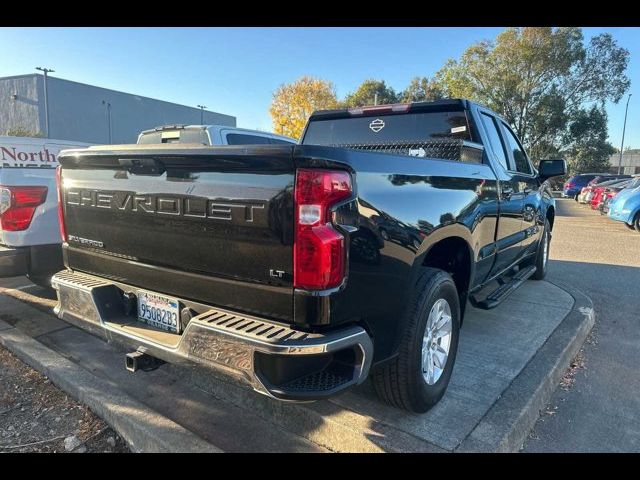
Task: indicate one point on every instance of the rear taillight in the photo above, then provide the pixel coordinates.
(319, 249)
(17, 205)
(63, 229)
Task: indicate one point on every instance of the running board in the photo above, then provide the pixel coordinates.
(496, 297)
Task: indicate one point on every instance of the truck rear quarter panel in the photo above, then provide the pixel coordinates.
(405, 206)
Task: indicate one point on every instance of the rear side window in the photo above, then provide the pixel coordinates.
(582, 179)
(242, 139)
(494, 139)
(519, 157)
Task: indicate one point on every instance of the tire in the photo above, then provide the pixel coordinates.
(401, 381)
(575, 197)
(630, 227)
(636, 222)
(542, 255)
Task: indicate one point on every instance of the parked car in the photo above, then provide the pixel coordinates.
(599, 190)
(30, 242)
(610, 192)
(625, 206)
(238, 258)
(573, 186)
(586, 194)
(211, 135)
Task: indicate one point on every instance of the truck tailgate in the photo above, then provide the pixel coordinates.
(205, 223)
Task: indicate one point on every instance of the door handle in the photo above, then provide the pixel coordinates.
(507, 192)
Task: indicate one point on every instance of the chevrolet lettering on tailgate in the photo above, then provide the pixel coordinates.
(185, 206)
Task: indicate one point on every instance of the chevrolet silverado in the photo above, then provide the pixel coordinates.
(305, 269)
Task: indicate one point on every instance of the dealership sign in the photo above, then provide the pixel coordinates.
(37, 156)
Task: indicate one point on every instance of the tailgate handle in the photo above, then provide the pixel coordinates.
(143, 166)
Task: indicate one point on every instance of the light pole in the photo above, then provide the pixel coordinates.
(46, 97)
(202, 107)
(624, 127)
(104, 102)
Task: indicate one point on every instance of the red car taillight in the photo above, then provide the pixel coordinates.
(17, 205)
(63, 229)
(319, 249)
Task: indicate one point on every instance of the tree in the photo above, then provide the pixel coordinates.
(366, 94)
(293, 103)
(421, 89)
(539, 79)
(22, 132)
(587, 147)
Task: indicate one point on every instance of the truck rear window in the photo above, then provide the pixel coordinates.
(437, 134)
(408, 127)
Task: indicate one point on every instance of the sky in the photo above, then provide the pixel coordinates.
(236, 70)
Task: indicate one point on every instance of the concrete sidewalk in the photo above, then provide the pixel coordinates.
(509, 361)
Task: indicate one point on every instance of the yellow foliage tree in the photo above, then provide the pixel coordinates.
(293, 103)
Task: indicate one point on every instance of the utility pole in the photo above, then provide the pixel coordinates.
(375, 99)
(624, 127)
(46, 98)
(104, 102)
(202, 107)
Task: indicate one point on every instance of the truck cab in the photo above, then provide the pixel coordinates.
(211, 135)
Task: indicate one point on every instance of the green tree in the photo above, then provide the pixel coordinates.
(366, 94)
(22, 132)
(539, 79)
(421, 89)
(587, 147)
(293, 103)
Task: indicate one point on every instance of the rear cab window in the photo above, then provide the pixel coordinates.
(441, 133)
(246, 139)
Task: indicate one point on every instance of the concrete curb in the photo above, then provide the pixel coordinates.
(505, 427)
(142, 428)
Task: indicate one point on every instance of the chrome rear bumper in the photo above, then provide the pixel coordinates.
(275, 359)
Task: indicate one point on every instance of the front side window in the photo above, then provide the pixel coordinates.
(519, 157)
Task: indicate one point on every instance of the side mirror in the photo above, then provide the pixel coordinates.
(551, 168)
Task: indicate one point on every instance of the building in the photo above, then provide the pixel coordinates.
(85, 113)
(630, 162)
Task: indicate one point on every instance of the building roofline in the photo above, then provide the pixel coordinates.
(111, 90)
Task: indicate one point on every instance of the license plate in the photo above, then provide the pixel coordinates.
(159, 311)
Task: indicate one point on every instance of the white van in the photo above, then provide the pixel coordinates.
(211, 135)
(29, 229)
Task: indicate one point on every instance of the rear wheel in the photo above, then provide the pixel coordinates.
(636, 222)
(417, 378)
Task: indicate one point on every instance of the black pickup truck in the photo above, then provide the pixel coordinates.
(302, 269)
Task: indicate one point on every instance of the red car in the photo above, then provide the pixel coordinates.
(600, 190)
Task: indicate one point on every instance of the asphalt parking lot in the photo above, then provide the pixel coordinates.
(600, 411)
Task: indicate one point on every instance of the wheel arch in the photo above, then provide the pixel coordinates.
(450, 250)
(551, 215)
